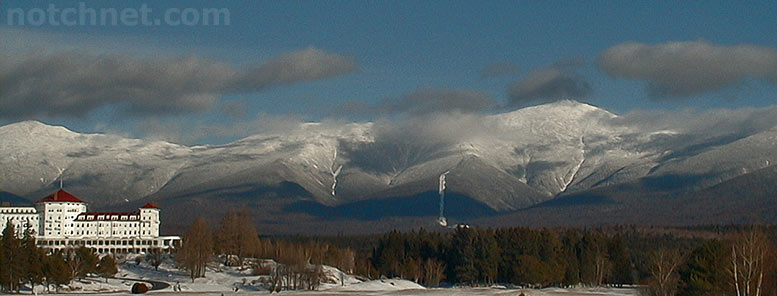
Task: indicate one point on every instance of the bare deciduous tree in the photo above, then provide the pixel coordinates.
(662, 266)
(237, 237)
(748, 251)
(603, 267)
(197, 248)
(434, 272)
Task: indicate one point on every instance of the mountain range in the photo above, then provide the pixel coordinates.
(561, 163)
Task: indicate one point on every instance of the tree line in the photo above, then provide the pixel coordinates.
(299, 264)
(739, 262)
(732, 261)
(22, 262)
(521, 256)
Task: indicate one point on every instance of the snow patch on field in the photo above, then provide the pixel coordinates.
(222, 280)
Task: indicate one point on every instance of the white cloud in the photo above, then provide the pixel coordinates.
(682, 69)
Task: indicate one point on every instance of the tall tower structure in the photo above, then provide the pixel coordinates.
(149, 220)
(57, 213)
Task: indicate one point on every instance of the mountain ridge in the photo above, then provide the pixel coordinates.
(507, 162)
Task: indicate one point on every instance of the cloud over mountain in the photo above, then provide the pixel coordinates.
(424, 101)
(682, 69)
(557, 82)
(69, 84)
(299, 66)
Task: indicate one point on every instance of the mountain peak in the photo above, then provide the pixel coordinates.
(27, 124)
(562, 110)
(567, 104)
(30, 127)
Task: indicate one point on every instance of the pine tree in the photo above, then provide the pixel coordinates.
(530, 270)
(508, 241)
(551, 251)
(389, 255)
(572, 267)
(56, 270)
(5, 269)
(81, 261)
(704, 273)
(463, 269)
(107, 267)
(12, 270)
(487, 257)
(622, 272)
(34, 260)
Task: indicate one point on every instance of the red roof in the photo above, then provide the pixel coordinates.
(60, 196)
(149, 206)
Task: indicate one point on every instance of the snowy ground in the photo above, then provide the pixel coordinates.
(221, 280)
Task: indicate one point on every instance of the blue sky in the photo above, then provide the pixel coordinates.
(388, 57)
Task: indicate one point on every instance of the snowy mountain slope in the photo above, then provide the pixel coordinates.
(506, 161)
(717, 164)
(34, 154)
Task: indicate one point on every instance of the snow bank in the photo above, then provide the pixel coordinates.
(381, 285)
(222, 279)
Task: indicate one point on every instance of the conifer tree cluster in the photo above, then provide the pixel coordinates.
(22, 262)
(522, 256)
(739, 262)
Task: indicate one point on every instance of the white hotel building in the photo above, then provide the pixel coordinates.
(61, 220)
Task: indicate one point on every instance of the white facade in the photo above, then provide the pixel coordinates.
(61, 220)
(57, 218)
(21, 218)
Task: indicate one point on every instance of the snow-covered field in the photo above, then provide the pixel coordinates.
(221, 280)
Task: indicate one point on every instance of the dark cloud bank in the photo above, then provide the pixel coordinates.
(73, 84)
(422, 102)
(557, 82)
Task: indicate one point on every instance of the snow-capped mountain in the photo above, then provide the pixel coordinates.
(505, 161)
